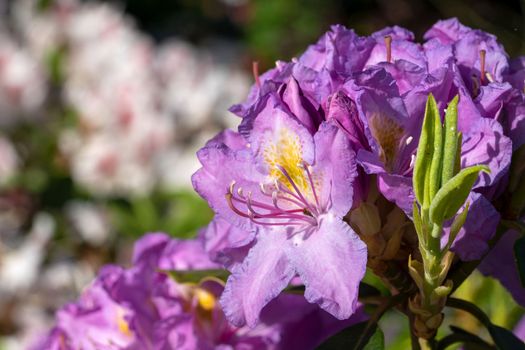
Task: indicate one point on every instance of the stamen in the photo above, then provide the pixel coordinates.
(229, 198)
(255, 71)
(274, 212)
(292, 182)
(312, 184)
(409, 140)
(475, 86)
(285, 190)
(388, 44)
(482, 54)
(284, 198)
(489, 76)
(263, 189)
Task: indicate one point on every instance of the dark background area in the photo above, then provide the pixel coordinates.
(280, 29)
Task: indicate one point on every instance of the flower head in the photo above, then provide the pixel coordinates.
(292, 187)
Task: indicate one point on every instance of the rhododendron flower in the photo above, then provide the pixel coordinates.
(142, 308)
(291, 183)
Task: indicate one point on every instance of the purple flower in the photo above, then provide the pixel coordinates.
(292, 188)
(142, 308)
(519, 330)
(96, 321)
(501, 264)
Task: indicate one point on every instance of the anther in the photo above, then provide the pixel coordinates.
(475, 86)
(232, 187)
(388, 44)
(489, 76)
(262, 188)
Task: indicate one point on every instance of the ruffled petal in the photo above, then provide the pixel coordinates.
(331, 263)
(264, 273)
(485, 143)
(335, 167)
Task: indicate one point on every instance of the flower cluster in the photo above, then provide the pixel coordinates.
(93, 120)
(143, 308)
(304, 191)
(321, 180)
(122, 122)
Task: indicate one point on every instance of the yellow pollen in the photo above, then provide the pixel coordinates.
(122, 324)
(206, 299)
(286, 152)
(387, 132)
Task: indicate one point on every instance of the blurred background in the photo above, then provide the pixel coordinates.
(104, 103)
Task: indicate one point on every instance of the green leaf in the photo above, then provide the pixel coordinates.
(505, 339)
(519, 254)
(460, 335)
(195, 276)
(453, 194)
(347, 338)
(418, 224)
(424, 151)
(457, 224)
(437, 156)
(450, 148)
(367, 290)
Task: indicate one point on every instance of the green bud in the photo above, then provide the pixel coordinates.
(453, 194)
(424, 153)
(417, 221)
(450, 150)
(416, 271)
(458, 222)
(437, 155)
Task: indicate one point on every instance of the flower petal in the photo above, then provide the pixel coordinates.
(226, 244)
(480, 226)
(331, 263)
(264, 273)
(500, 264)
(484, 143)
(336, 166)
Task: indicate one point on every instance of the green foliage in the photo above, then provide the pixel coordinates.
(196, 276)
(519, 254)
(282, 29)
(453, 194)
(424, 153)
(179, 214)
(503, 338)
(458, 222)
(348, 339)
(450, 147)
